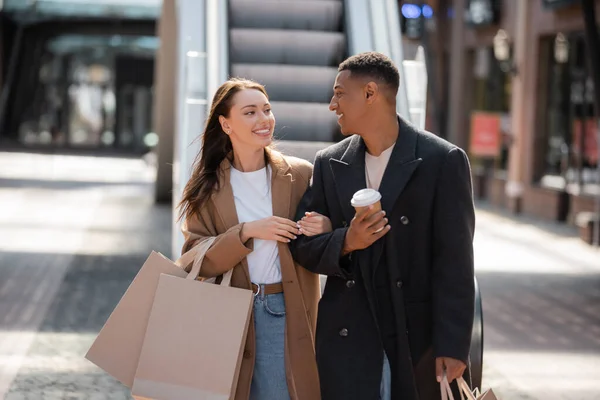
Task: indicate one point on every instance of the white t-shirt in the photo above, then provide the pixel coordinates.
(375, 167)
(253, 201)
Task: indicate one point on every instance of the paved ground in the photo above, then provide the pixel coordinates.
(74, 231)
(541, 300)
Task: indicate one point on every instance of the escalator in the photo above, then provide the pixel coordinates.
(293, 47)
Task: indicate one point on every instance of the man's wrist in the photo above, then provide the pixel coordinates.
(346, 248)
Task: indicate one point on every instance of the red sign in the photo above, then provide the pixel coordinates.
(590, 139)
(485, 134)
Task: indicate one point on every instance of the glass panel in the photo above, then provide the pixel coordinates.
(130, 9)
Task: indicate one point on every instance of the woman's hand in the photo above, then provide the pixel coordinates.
(270, 228)
(314, 223)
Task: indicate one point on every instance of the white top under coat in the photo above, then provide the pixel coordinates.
(253, 201)
(375, 167)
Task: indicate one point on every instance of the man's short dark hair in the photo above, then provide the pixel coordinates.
(376, 66)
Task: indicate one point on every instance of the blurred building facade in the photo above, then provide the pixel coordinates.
(509, 81)
(78, 74)
(513, 86)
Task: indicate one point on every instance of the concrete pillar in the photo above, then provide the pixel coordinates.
(437, 87)
(165, 86)
(521, 86)
(457, 132)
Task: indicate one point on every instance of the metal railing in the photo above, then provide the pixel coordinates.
(203, 58)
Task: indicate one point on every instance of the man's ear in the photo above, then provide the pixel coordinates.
(371, 92)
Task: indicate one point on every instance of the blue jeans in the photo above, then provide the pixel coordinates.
(385, 391)
(269, 379)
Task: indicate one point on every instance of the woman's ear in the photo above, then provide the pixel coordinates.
(224, 124)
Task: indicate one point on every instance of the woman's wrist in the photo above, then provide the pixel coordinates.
(245, 232)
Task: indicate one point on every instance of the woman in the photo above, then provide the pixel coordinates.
(245, 194)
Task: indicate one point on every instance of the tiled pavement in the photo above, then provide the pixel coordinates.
(74, 231)
(541, 303)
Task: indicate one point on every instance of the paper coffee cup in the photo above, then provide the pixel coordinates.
(365, 198)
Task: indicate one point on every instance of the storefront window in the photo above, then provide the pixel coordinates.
(571, 152)
(92, 92)
(490, 111)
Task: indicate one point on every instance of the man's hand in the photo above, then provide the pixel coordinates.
(454, 368)
(365, 229)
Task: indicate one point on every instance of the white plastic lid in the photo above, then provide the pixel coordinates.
(365, 197)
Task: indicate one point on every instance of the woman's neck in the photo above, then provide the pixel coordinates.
(249, 160)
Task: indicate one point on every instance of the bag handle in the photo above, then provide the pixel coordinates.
(464, 388)
(445, 388)
(196, 255)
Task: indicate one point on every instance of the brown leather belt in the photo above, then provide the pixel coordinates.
(267, 289)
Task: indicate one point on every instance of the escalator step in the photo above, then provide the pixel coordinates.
(318, 15)
(304, 121)
(291, 82)
(273, 46)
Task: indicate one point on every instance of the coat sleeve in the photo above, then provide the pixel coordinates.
(320, 254)
(453, 270)
(226, 252)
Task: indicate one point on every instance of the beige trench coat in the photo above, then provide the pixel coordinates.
(301, 288)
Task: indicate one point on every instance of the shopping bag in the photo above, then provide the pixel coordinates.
(464, 390)
(194, 339)
(117, 347)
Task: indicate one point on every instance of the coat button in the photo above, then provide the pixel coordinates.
(350, 284)
(399, 284)
(344, 332)
(247, 354)
(404, 220)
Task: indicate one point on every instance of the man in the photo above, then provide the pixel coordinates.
(397, 310)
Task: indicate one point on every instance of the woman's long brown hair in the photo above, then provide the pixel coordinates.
(216, 146)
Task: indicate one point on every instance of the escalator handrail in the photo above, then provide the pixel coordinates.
(217, 45)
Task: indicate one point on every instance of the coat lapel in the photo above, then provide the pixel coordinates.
(349, 177)
(349, 174)
(225, 205)
(281, 185)
(401, 166)
(223, 198)
(281, 193)
(403, 162)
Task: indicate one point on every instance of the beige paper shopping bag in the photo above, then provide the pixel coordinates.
(464, 388)
(117, 348)
(194, 340)
(465, 391)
